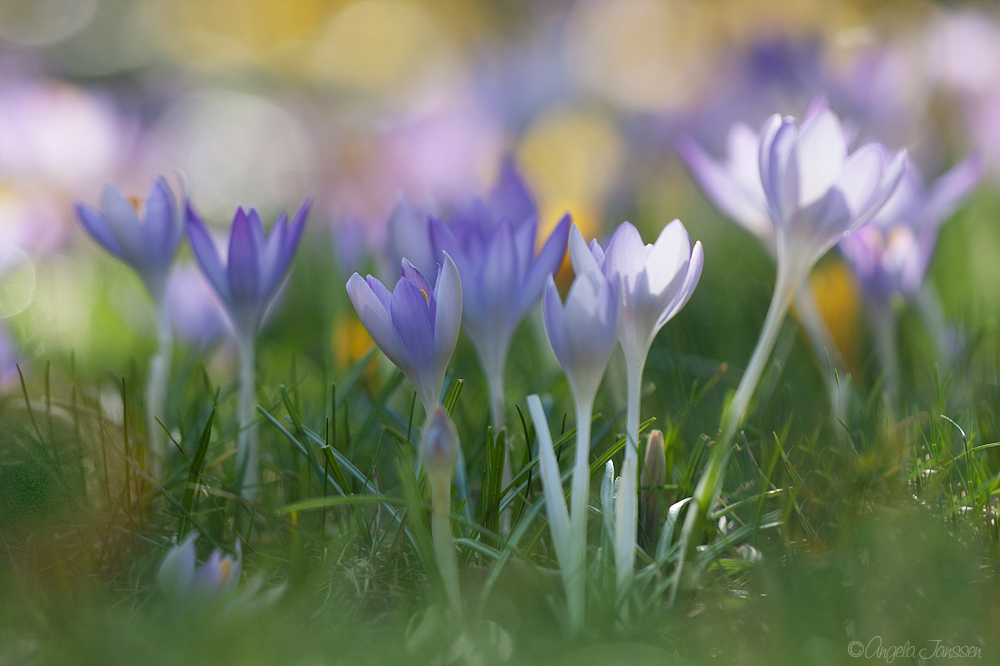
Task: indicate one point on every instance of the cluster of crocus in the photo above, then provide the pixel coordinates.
(246, 282)
(655, 282)
(815, 192)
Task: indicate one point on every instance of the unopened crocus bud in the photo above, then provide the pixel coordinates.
(653, 477)
(439, 444)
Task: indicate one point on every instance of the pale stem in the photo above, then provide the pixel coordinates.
(157, 389)
(710, 483)
(579, 505)
(626, 504)
(461, 477)
(444, 550)
(493, 365)
(824, 348)
(247, 457)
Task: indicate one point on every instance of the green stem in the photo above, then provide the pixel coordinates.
(883, 321)
(444, 550)
(710, 484)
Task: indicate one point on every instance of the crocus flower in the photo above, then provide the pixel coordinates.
(816, 193)
(416, 326)
(891, 254)
(255, 265)
(582, 334)
(493, 245)
(656, 281)
(148, 245)
(143, 234)
(186, 584)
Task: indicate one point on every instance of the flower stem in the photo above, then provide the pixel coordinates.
(157, 389)
(444, 551)
(883, 321)
(247, 457)
(710, 484)
(579, 505)
(626, 504)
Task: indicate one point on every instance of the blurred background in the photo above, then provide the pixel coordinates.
(360, 102)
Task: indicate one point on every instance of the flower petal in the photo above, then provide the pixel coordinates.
(206, 253)
(243, 266)
(95, 224)
(123, 221)
(448, 317)
(161, 226)
(819, 157)
(580, 255)
(555, 329)
(547, 263)
(411, 316)
(376, 319)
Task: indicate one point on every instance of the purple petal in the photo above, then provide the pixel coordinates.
(409, 235)
(499, 275)
(580, 255)
(819, 157)
(776, 147)
(545, 265)
(524, 246)
(373, 311)
(411, 317)
(161, 226)
(598, 252)
(448, 317)
(410, 272)
(123, 222)
(948, 191)
(626, 255)
(687, 287)
(511, 199)
(271, 266)
(206, 253)
(95, 224)
(555, 329)
(244, 267)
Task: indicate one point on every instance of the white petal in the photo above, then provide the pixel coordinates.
(819, 156)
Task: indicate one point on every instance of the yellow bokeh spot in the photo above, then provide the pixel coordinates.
(350, 342)
(572, 158)
(838, 299)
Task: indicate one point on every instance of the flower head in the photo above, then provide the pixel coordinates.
(584, 330)
(255, 264)
(656, 280)
(185, 584)
(414, 325)
(143, 234)
(493, 245)
(816, 192)
(891, 254)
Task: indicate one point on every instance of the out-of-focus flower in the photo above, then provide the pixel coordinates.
(815, 191)
(255, 265)
(148, 244)
(195, 311)
(415, 326)
(583, 332)
(493, 245)
(733, 185)
(186, 584)
(891, 254)
(409, 237)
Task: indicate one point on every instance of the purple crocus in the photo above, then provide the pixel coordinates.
(656, 281)
(891, 254)
(186, 584)
(415, 325)
(246, 282)
(143, 234)
(493, 245)
(255, 265)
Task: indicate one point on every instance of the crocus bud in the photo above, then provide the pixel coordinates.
(184, 584)
(439, 444)
(653, 477)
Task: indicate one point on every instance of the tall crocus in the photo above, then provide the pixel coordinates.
(890, 256)
(246, 281)
(145, 234)
(493, 246)
(415, 325)
(816, 193)
(656, 281)
(582, 334)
